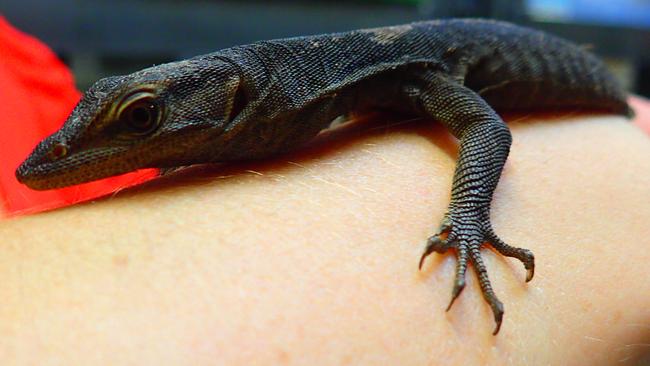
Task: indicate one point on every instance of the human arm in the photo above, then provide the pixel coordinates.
(312, 258)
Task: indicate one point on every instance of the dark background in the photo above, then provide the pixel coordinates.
(102, 37)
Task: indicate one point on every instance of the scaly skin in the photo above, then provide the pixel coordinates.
(258, 100)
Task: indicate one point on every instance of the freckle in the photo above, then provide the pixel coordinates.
(283, 357)
(120, 260)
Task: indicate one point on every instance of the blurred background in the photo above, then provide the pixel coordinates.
(106, 37)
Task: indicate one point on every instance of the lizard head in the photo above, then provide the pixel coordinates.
(154, 118)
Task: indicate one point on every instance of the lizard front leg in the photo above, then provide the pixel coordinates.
(484, 145)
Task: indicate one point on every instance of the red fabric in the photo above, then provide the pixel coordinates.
(37, 93)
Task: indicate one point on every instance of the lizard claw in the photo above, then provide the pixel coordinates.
(459, 282)
(498, 316)
(467, 238)
(529, 274)
(434, 244)
(524, 255)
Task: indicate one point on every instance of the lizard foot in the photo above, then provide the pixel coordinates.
(467, 234)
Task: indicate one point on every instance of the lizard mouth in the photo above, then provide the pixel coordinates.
(71, 170)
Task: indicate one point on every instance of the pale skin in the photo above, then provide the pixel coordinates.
(311, 258)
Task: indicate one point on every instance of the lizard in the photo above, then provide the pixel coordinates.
(266, 98)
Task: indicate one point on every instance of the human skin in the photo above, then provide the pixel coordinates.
(311, 258)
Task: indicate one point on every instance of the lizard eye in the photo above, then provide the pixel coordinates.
(141, 116)
(140, 113)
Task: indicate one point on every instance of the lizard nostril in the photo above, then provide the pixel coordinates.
(58, 151)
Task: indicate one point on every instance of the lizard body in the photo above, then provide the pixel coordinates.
(253, 101)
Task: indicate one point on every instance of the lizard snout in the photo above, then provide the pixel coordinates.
(32, 170)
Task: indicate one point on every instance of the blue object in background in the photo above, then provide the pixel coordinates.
(626, 13)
